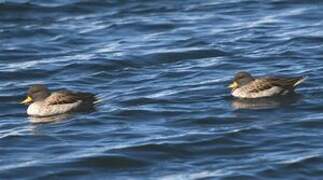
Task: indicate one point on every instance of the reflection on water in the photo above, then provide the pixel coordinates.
(265, 103)
(56, 118)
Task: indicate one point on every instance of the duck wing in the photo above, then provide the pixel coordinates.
(68, 97)
(286, 82)
(267, 83)
(260, 85)
(62, 97)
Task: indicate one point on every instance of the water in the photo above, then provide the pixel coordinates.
(161, 69)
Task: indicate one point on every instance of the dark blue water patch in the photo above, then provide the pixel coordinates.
(9, 76)
(112, 161)
(298, 168)
(67, 169)
(41, 7)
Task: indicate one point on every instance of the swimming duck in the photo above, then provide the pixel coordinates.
(43, 103)
(245, 85)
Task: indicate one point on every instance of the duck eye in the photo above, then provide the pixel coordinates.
(239, 77)
(33, 92)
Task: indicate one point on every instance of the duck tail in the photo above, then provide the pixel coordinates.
(88, 97)
(99, 98)
(300, 80)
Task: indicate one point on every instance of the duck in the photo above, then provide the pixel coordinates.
(244, 85)
(43, 103)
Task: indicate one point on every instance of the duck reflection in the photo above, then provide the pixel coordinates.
(265, 103)
(48, 119)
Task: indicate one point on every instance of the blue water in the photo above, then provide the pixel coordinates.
(161, 69)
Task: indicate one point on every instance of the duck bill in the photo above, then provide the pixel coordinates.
(27, 100)
(233, 85)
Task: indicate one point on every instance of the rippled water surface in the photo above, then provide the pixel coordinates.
(161, 69)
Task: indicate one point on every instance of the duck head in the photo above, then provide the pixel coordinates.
(36, 92)
(240, 79)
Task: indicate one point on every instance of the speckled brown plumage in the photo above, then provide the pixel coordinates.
(65, 97)
(42, 102)
(269, 82)
(250, 87)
